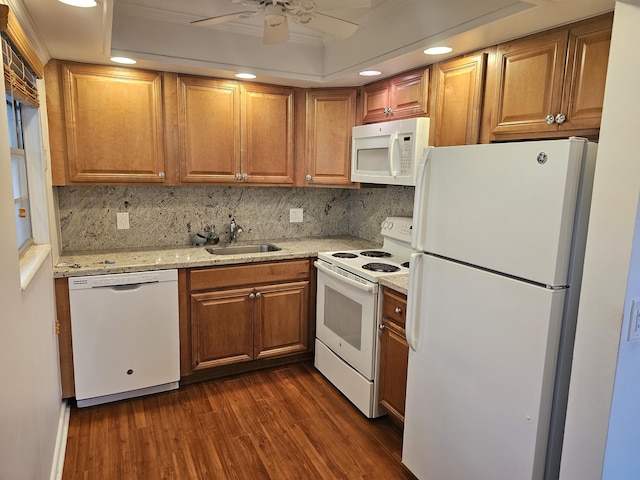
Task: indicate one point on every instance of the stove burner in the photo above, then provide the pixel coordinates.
(344, 255)
(381, 267)
(375, 253)
(405, 265)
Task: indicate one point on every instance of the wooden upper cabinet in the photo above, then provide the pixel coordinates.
(458, 100)
(552, 84)
(106, 124)
(267, 119)
(403, 96)
(208, 129)
(330, 117)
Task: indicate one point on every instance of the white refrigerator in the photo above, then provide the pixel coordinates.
(492, 306)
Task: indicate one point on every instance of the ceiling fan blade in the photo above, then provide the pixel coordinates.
(330, 25)
(224, 18)
(327, 5)
(276, 34)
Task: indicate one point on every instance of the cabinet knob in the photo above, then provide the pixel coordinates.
(398, 310)
(258, 294)
(560, 118)
(161, 174)
(550, 119)
(381, 327)
(238, 176)
(308, 178)
(252, 295)
(245, 176)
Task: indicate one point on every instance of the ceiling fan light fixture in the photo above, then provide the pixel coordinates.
(273, 15)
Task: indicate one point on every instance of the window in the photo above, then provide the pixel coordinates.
(19, 173)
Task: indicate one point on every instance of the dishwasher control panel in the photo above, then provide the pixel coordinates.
(114, 279)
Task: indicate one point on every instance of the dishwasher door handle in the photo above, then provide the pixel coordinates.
(127, 286)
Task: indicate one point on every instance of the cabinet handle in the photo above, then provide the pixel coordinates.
(252, 295)
(238, 176)
(398, 310)
(550, 119)
(161, 174)
(258, 294)
(245, 176)
(560, 118)
(308, 178)
(381, 327)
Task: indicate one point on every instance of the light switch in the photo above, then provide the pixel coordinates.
(634, 324)
(122, 220)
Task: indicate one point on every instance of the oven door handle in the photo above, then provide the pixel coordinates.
(361, 286)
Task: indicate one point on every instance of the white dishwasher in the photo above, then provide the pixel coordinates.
(125, 335)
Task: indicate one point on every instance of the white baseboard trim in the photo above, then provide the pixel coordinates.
(61, 442)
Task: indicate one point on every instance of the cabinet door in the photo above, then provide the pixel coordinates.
(409, 94)
(267, 134)
(281, 320)
(588, 56)
(376, 99)
(530, 77)
(331, 114)
(114, 124)
(208, 130)
(394, 358)
(459, 100)
(221, 328)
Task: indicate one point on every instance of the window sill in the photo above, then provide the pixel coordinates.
(31, 262)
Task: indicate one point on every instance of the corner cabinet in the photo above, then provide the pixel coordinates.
(403, 96)
(330, 117)
(394, 355)
(246, 314)
(106, 124)
(552, 84)
(230, 132)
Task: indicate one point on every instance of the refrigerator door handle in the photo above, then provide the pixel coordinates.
(420, 202)
(413, 300)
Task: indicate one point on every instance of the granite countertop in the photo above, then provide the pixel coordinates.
(399, 283)
(140, 260)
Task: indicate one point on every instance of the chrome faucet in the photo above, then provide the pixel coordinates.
(234, 230)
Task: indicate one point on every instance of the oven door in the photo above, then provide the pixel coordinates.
(346, 318)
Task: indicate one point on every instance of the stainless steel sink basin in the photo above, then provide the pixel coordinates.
(243, 249)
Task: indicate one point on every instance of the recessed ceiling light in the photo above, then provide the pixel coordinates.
(125, 60)
(369, 73)
(80, 3)
(246, 76)
(437, 50)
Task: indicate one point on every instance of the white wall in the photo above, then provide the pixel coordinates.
(608, 255)
(30, 399)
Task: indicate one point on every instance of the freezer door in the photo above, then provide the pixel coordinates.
(480, 382)
(506, 207)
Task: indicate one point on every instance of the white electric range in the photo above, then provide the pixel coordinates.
(349, 309)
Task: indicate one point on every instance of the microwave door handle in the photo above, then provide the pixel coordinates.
(367, 288)
(393, 154)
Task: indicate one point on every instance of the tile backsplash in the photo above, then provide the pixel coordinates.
(162, 216)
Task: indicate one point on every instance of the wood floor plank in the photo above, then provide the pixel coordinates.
(284, 423)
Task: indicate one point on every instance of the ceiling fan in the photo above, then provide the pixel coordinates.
(302, 12)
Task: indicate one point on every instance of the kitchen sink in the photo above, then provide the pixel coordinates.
(243, 249)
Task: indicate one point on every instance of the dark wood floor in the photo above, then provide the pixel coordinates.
(285, 423)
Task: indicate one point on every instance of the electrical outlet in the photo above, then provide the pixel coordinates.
(122, 220)
(634, 321)
(295, 215)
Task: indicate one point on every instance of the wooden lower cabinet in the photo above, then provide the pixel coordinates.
(394, 355)
(246, 314)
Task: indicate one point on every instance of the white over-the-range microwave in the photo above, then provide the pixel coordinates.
(388, 152)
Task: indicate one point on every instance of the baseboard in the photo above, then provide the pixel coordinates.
(61, 442)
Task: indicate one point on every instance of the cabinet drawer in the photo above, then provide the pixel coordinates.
(254, 273)
(394, 307)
